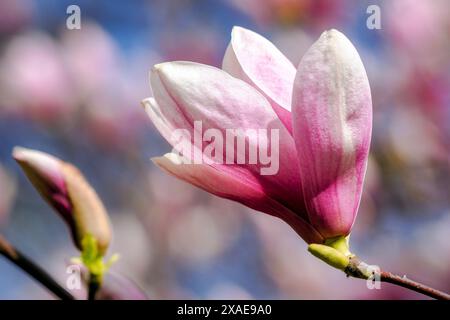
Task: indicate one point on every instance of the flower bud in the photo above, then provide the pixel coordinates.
(65, 189)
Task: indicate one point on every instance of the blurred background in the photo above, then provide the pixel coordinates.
(76, 94)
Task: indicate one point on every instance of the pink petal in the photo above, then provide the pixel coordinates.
(89, 214)
(257, 61)
(186, 92)
(332, 122)
(66, 190)
(230, 187)
(45, 173)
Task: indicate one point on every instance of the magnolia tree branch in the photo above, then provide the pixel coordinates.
(20, 260)
(413, 285)
(94, 286)
(359, 269)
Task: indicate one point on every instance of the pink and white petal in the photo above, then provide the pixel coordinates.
(231, 187)
(46, 174)
(257, 61)
(204, 93)
(187, 92)
(332, 121)
(39, 163)
(153, 111)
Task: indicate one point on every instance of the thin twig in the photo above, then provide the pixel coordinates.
(359, 269)
(413, 285)
(94, 285)
(20, 260)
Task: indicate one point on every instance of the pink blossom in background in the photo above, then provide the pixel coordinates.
(190, 45)
(420, 28)
(319, 14)
(92, 59)
(14, 15)
(107, 85)
(34, 81)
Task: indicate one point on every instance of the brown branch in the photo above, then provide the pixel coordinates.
(413, 285)
(360, 269)
(94, 286)
(20, 260)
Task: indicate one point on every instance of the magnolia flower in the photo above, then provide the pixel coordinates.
(322, 111)
(65, 189)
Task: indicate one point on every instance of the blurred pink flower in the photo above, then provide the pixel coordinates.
(33, 79)
(421, 30)
(324, 142)
(317, 13)
(92, 58)
(14, 15)
(106, 85)
(190, 45)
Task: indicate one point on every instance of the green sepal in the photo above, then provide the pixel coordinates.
(92, 259)
(334, 251)
(329, 255)
(340, 243)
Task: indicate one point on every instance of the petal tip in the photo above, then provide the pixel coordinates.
(237, 29)
(19, 153)
(146, 102)
(333, 35)
(149, 105)
(170, 156)
(157, 66)
(166, 69)
(239, 33)
(26, 155)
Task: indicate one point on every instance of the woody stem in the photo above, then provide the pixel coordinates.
(94, 285)
(413, 285)
(23, 262)
(359, 269)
